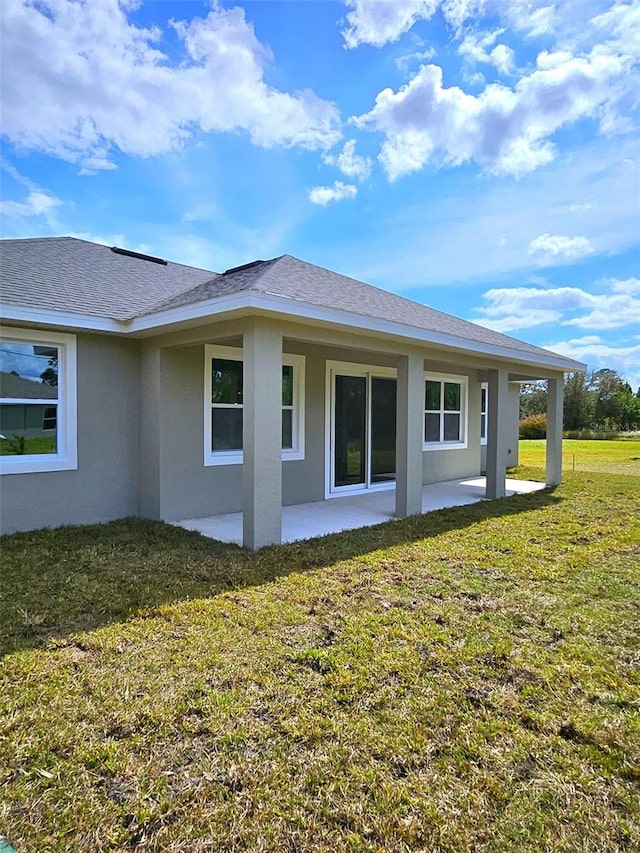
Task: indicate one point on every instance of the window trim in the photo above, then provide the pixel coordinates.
(66, 456)
(235, 457)
(463, 381)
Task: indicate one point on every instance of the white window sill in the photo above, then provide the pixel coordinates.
(442, 445)
(237, 458)
(36, 464)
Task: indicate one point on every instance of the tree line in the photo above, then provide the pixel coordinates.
(600, 401)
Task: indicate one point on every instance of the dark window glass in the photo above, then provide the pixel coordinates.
(287, 385)
(287, 429)
(350, 430)
(432, 427)
(451, 427)
(432, 396)
(226, 381)
(226, 429)
(452, 396)
(50, 417)
(383, 430)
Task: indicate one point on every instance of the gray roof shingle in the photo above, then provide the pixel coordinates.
(73, 275)
(68, 274)
(298, 280)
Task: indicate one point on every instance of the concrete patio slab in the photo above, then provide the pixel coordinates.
(305, 521)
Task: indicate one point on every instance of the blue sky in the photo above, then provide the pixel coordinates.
(480, 156)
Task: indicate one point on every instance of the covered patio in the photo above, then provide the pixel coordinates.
(319, 518)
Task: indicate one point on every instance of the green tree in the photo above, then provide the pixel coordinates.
(608, 385)
(533, 399)
(579, 402)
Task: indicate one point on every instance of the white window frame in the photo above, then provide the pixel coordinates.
(66, 456)
(235, 457)
(370, 372)
(463, 381)
(484, 412)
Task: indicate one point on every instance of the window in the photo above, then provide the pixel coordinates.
(483, 413)
(445, 412)
(37, 402)
(224, 406)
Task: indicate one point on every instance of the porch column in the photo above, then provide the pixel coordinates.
(555, 400)
(262, 435)
(497, 432)
(409, 433)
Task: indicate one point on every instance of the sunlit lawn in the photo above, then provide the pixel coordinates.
(612, 457)
(464, 681)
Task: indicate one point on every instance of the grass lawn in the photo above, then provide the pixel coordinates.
(464, 681)
(606, 457)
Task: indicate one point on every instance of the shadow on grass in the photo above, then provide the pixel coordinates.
(71, 579)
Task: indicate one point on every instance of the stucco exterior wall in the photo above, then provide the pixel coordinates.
(141, 436)
(105, 485)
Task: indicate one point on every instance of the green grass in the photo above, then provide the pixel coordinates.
(467, 680)
(607, 457)
(16, 446)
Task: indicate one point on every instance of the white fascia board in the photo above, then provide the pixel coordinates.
(290, 308)
(293, 309)
(68, 320)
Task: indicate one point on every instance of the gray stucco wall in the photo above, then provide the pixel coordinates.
(183, 487)
(105, 485)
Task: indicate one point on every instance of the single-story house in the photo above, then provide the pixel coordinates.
(172, 392)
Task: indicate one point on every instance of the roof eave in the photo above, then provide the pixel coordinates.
(295, 309)
(150, 324)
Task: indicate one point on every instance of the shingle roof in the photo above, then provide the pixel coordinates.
(294, 279)
(12, 385)
(72, 275)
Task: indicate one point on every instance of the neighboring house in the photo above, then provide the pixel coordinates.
(176, 392)
(29, 422)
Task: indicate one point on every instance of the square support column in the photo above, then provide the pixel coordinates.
(262, 435)
(409, 435)
(497, 432)
(555, 401)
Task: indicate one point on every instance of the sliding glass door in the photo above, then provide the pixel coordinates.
(363, 430)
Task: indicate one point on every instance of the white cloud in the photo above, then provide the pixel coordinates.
(554, 248)
(95, 81)
(505, 130)
(383, 21)
(338, 192)
(629, 285)
(534, 19)
(446, 237)
(379, 22)
(35, 204)
(616, 306)
(504, 58)
(599, 354)
(38, 201)
(513, 322)
(579, 208)
(350, 164)
(475, 48)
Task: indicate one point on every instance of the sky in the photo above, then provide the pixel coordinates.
(479, 156)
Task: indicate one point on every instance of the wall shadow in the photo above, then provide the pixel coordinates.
(58, 582)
